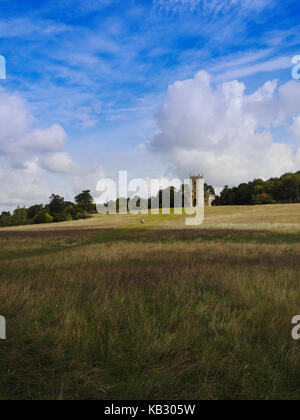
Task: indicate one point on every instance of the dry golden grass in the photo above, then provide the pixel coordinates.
(158, 311)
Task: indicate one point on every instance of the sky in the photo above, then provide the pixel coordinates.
(154, 87)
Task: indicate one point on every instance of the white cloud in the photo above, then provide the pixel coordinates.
(22, 185)
(58, 163)
(225, 133)
(295, 128)
(15, 119)
(272, 65)
(31, 159)
(49, 139)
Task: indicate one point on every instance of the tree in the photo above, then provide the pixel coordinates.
(227, 197)
(6, 219)
(263, 198)
(209, 189)
(243, 194)
(43, 217)
(58, 210)
(285, 189)
(34, 210)
(57, 205)
(85, 201)
(19, 217)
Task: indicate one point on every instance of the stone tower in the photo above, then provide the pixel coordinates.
(197, 191)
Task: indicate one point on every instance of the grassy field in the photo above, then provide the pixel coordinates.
(108, 308)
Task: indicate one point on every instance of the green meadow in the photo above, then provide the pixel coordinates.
(107, 308)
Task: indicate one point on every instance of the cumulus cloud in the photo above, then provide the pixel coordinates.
(295, 128)
(225, 133)
(47, 140)
(58, 163)
(30, 157)
(22, 185)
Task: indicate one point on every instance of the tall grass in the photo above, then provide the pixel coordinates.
(150, 314)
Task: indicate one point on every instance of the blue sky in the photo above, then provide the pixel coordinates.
(100, 70)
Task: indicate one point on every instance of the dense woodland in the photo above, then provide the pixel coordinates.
(285, 189)
(58, 210)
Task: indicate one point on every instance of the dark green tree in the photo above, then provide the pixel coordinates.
(6, 219)
(34, 210)
(19, 217)
(57, 205)
(209, 189)
(285, 189)
(85, 201)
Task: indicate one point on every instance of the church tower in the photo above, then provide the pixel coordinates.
(197, 191)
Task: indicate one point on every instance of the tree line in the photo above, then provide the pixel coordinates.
(285, 189)
(58, 210)
(176, 198)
